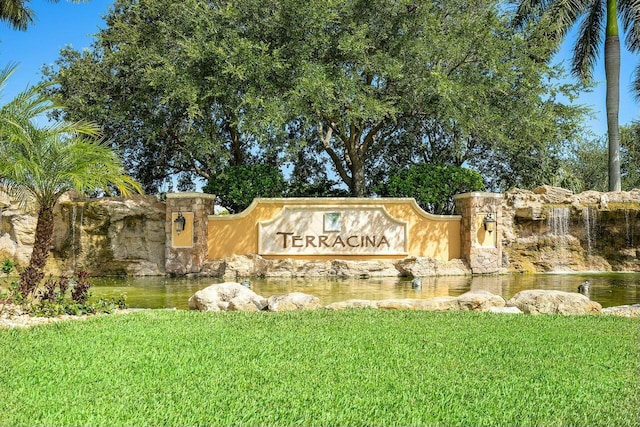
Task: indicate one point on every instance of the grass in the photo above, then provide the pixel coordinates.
(323, 368)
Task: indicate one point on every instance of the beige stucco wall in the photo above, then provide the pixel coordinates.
(429, 235)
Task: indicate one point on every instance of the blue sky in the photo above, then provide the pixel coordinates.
(64, 23)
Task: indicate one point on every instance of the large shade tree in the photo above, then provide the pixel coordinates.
(365, 87)
(598, 25)
(176, 85)
(43, 161)
(386, 83)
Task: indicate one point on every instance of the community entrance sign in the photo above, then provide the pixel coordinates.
(330, 230)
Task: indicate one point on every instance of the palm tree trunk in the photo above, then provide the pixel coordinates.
(612, 74)
(33, 274)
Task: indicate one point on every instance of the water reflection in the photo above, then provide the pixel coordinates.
(165, 292)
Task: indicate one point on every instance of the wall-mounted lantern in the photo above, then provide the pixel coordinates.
(179, 223)
(489, 223)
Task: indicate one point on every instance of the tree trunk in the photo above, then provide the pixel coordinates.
(612, 74)
(358, 187)
(33, 274)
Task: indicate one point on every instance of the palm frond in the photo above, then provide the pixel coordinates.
(6, 72)
(81, 127)
(565, 13)
(629, 11)
(28, 104)
(636, 83)
(527, 11)
(589, 41)
(16, 14)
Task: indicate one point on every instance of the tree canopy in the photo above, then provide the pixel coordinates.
(364, 87)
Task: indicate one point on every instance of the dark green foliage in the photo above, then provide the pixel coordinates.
(237, 186)
(585, 167)
(316, 189)
(433, 186)
(80, 292)
(7, 266)
(53, 300)
(630, 155)
(367, 87)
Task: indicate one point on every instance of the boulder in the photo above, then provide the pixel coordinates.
(352, 303)
(505, 310)
(363, 269)
(228, 296)
(431, 304)
(293, 301)
(623, 310)
(553, 194)
(539, 301)
(417, 267)
(312, 268)
(237, 266)
(480, 300)
(453, 267)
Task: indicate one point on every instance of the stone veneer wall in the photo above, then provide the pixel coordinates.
(105, 236)
(114, 236)
(596, 231)
(481, 250)
(182, 260)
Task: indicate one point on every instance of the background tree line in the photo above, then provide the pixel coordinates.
(327, 97)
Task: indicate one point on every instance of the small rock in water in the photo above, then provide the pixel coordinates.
(246, 283)
(416, 283)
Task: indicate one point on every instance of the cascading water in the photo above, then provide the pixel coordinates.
(590, 215)
(628, 229)
(76, 236)
(73, 235)
(558, 222)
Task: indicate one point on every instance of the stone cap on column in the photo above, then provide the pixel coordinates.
(478, 194)
(190, 195)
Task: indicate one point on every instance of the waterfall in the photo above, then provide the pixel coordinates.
(558, 222)
(73, 235)
(590, 215)
(628, 229)
(76, 236)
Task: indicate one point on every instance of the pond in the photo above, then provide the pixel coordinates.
(609, 289)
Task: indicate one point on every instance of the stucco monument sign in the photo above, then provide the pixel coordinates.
(329, 230)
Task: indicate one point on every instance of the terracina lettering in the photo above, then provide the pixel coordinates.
(292, 240)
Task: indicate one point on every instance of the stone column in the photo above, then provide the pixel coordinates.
(186, 251)
(480, 248)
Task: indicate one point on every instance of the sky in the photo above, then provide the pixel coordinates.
(60, 24)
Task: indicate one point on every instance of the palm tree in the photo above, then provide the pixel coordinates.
(599, 18)
(17, 14)
(42, 162)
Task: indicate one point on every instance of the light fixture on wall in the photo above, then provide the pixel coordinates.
(489, 223)
(179, 223)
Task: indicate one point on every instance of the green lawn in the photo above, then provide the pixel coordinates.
(323, 368)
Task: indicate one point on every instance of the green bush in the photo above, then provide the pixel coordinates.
(433, 186)
(66, 296)
(237, 186)
(7, 266)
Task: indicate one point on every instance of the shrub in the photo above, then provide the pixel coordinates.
(52, 300)
(433, 186)
(237, 186)
(7, 266)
